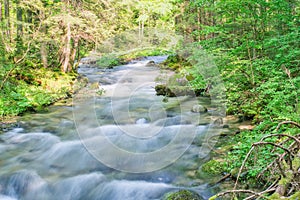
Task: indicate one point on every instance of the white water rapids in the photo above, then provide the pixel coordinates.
(126, 144)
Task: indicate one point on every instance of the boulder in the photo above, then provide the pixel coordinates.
(199, 109)
(164, 90)
(151, 64)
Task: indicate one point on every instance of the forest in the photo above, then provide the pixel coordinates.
(255, 45)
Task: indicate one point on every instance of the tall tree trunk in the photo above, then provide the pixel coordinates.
(67, 50)
(43, 50)
(1, 14)
(19, 20)
(213, 18)
(7, 17)
(143, 24)
(140, 32)
(44, 54)
(74, 51)
(199, 23)
(29, 16)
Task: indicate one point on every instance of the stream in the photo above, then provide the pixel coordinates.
(115, 140)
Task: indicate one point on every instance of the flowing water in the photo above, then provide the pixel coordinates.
(116, 142)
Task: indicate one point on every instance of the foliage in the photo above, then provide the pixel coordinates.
(109, 61)
(140, 53)
(175, 62)
(51, 36)
(213, 167)
(257, 59)
(182, 195)
(34, 90)
(255, 45)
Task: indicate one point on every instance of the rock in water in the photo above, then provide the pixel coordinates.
(182, 195)
(199, 109)
(164, 91)
(141, 121)
(151, 64)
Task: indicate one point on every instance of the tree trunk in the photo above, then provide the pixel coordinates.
(74, 51)
(29, 16)
(140, 32)
(43, 50)
(143, 24)
(199, 23)
(213, 19)
(7, 17)
(65, 67)
(20, 21)
(44, 54)
(1, 14)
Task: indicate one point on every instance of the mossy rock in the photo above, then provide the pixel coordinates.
(173, 91)
(295, 196)
(151, 64)
(164, 90)
(213, 167)
(175, 62)
(199, 109)
(94, 86)
(182, 195)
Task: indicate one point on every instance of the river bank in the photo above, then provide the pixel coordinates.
(243, 158)
(45, 88)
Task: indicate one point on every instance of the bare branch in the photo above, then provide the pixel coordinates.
(282, 135)
(260, 194)
(255, 194)
(287, 122)
(242, 167)
(273, 144)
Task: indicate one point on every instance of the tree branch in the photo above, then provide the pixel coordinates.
(242, 167)
(287, 122)
(282, 135)
(255, 194)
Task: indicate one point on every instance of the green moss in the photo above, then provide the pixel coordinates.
(296, 196)
(45, 87)
(213, 197)
(296, 162)
(275, 196)
(213, 167)
(182, 195)
(109, 61)
(287, 180)
(94, 86)
(175, 62)
(139, 53)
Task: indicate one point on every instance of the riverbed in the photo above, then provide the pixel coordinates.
(114, 140)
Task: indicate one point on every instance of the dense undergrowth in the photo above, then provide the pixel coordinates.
(266, 91)
(269, 101)
(33, 89)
